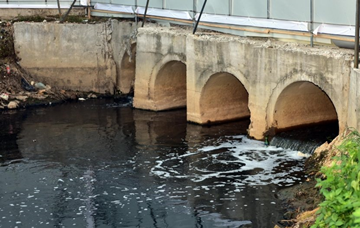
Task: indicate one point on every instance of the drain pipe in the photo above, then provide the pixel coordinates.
(201, 12)
(136, 17)
(312, 22)
(356, 61)
(146, 8)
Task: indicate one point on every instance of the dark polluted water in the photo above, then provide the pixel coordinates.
(102, 164)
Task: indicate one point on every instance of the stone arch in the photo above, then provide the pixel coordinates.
(302, 102)
(168, 84)
(127, 70)
(223, 98)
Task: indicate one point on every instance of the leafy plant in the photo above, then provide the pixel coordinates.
(341, 189)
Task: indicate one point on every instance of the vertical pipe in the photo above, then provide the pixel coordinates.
(268, 9)
(201, 12)
(163, 4)
(194, 10)
(230, 7)
(146, 8)
(136, 18)
(356, 61)
(312, 22)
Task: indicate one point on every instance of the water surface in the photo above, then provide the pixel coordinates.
(103, 164)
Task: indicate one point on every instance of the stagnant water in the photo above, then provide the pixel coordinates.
(103, 164)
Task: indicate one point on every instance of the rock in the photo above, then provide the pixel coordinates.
(91, 95)
(12, 105)
(82, 99)
(21, 98)
(41, 92)
(301, 154)
(47, 87)
(41, 97)
(73, 97)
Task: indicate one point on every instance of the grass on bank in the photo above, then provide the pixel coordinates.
(341, 188)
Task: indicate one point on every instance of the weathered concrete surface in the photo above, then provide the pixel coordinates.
(266, 70)
(160, 70)
(280, 85)
(354, 100)
(84, 57)
(123, 44)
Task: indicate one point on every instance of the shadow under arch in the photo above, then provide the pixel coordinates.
(127, 70)
(169, 86)
(302, 103)
(223, 98)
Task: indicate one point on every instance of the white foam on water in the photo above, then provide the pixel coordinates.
(251, 160)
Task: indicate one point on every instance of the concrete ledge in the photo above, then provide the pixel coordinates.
(8, 14)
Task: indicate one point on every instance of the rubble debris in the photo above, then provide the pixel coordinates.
(4, 96)
(25, 85)
(13, 105)
(39, 85)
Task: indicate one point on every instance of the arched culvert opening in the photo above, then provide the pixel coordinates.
(223, 98)
(127, 70)
(304, 117)
(303, 103)
(170, 86)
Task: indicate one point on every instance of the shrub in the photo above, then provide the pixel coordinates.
(341, 207)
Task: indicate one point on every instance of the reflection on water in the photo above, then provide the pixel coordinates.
(10, 126)
(96, 164)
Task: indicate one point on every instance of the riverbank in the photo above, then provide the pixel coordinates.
(302, 201)
(18, 89)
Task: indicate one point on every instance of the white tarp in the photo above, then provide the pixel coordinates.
(165, 13)
(85, 2)
(254, 22)
(115, 8)
(335, 30)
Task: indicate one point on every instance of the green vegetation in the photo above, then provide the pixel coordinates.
(341, 189)
(34, 18)
(6, 43)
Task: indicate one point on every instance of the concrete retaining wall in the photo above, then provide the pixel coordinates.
(84, 57)
(354, 100)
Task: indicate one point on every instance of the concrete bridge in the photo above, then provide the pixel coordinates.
(220, 78)
(216, 77)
